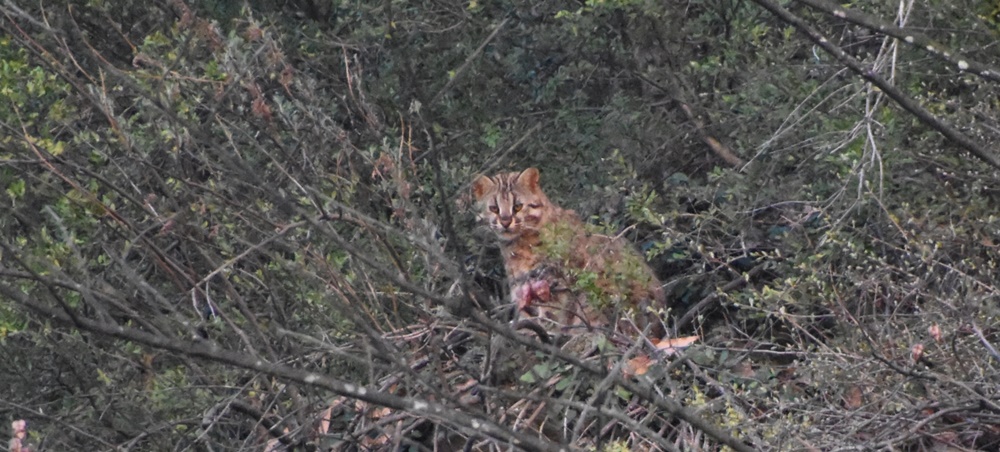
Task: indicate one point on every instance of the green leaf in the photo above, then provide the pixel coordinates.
(16, 189)
(565, 382)
(538, 371)
(623, 393)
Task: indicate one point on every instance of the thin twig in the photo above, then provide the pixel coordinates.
(710, 299)
(908, 36)
(468, 61)
(986, 343)
(890, 90)
(465, 420)
(722, 151)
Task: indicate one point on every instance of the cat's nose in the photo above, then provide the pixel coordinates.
(505, 221)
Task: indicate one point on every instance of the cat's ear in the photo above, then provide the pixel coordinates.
(529, 179)
(480, 186)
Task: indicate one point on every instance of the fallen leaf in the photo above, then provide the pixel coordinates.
(916, 352)
(377, 442)
(743, 369)
(676, 344)
(379, 413)
(935, 332)
(275, 445)
(787, 374)
(637, 366)
(324, 424)
(853, 398)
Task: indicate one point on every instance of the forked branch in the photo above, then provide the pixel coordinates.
(904, 101)
(907, 36)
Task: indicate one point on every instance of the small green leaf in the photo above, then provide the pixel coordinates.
(537, 372)
(542, 370)
(103, 377)
(564, 383)
(16, 189)
(623, 393)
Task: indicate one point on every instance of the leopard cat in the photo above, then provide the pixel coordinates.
(561, 275)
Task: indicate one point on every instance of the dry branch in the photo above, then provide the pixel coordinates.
(472, 57)
(465, 421)
(720, 150)
(904, 101)
(909, 37)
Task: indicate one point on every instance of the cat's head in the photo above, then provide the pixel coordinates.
(511, 203)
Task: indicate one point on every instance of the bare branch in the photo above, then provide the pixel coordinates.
(467, 421)
(910, 37)
(890, 90)
(472, 57)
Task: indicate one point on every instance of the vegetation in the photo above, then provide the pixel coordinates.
(246, 226)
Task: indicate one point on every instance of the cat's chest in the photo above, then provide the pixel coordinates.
(521, 258)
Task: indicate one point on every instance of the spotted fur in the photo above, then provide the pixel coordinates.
(547, 248)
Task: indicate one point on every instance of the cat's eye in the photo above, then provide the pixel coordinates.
(494, 209)
(517, 207)
(534, 206)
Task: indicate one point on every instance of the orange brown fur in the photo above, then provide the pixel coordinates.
(559, 273)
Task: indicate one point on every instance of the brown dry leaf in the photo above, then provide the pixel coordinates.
(935, 332)
(637, 366)
(286, 78)
(853, 398)
(324, 424)
(944, 441)
(787, 374)
(167, 227)
(676, 344)
(260, 109)
(377, 442)
(743, 369)
(916, 352)
(383, 167)
(379, 413)
(469, 384)
(253, 33)
(274, 445)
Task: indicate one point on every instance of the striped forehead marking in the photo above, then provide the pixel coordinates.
(505, 182)
(504, 195)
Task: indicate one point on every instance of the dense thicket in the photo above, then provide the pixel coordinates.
(246, 226)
